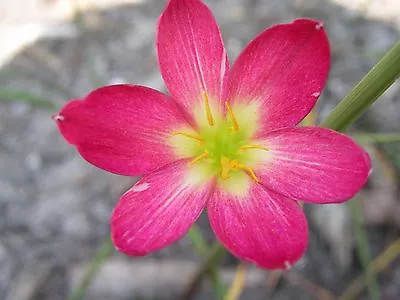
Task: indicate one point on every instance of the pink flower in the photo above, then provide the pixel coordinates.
(225, 140)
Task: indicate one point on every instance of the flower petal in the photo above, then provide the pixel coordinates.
(191, 53)
(122, 128)
(260, 226)
(283, 70)
(158, 210)
(313, 164)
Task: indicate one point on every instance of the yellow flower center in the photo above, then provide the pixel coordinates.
(221, 146)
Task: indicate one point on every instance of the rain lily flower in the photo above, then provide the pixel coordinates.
(225, 140)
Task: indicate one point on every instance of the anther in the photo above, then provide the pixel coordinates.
(189, 135)
(58, 118)
(210, 118)
(235, 125)
(198, 158)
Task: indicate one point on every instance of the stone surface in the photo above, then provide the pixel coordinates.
(54, 207)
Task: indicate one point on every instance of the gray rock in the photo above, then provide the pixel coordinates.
(55, 208)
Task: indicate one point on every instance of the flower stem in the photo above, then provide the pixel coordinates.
(366, 92)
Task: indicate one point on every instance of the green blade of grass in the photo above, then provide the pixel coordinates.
(377, 137)
(10, 95)
(363, 249)
(95, 264)
(380, 263)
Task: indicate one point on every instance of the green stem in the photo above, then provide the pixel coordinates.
(364, 252)
(212, 258)
(198, 241)
(217, 283)
(356, 102)
(360, 98)
(204, 250)
(96, 263)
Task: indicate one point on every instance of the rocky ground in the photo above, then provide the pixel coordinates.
(54, 207)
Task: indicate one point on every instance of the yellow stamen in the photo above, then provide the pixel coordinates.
(249, 170)
(189, 135)
(198, 158)
(235, 125)
(210, 118)
(245, 147)
(230, 165)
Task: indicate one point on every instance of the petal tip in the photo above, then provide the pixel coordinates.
(118, 245)
(319, 25)
(58, 117)
(287, 265)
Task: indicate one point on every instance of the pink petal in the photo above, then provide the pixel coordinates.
(122, 128)
(262, 226)
(283, 70)
(158, 210)
(191, 53)
(314, 165)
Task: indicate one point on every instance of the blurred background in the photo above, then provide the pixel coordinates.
(54, 207)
